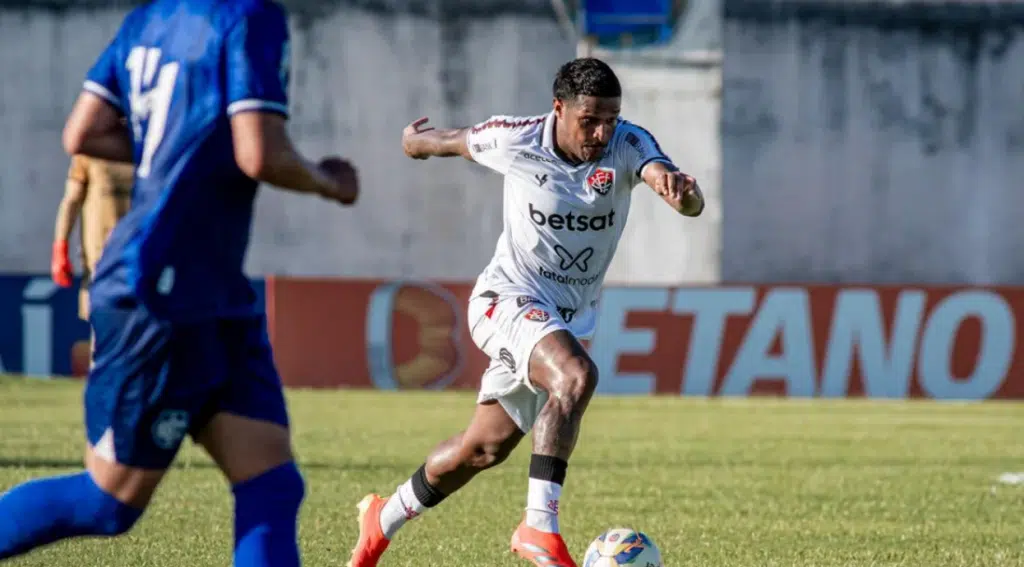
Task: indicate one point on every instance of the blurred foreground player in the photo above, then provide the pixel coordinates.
(569, 176)
(181, 343)
(97, 192)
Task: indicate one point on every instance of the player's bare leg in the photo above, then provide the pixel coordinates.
(559, 365)
(256, 457)
(490, 438)
(487, 442)
(130, 485)
(267, 445)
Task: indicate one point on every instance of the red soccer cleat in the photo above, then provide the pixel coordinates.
(372, 542)
(542, 548)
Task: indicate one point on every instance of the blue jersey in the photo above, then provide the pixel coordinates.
(178, 70)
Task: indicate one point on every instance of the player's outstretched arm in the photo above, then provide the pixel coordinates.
(264, 151)
(676, 188)
(421, 141)
(95, 129)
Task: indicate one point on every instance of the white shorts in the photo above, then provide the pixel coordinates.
(507, 327)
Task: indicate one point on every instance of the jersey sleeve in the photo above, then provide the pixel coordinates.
(258, 62)
(494, 143)
(639, 149)
(102, 78)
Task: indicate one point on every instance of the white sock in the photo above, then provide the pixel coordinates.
(399, 509)
(542, 505)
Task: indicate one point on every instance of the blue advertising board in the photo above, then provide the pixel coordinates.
(40, 329)
(645, 22)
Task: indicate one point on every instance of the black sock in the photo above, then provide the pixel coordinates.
(551, 469)
(428, 495)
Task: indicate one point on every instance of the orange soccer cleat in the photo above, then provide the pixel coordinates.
(372, 542)
(542, 548)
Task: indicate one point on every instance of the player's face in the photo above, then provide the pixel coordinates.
(587, 124)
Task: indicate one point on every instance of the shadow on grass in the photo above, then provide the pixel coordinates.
(43, 463)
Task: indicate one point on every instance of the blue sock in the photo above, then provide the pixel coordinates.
(266, 518)
(47, 510)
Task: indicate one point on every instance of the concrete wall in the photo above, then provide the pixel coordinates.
(868, 144)
(361, 71)
(680, 105)
(675, 90)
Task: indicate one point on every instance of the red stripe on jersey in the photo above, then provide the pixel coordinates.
(513, 124)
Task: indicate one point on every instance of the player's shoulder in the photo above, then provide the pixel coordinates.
(630, 132)
(134, 20)
(216, 14)
(511, 126)
(632, 137)
(238, 10)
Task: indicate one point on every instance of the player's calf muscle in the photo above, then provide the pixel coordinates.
(471, 455)
(558, 427)
(489, 440)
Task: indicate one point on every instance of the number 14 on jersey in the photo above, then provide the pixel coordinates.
(152, 87)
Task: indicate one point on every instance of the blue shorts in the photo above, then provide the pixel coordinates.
(152, 382)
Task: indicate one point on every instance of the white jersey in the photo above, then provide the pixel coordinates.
(562, 222)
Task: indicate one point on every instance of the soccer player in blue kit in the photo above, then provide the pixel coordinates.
(194, 92)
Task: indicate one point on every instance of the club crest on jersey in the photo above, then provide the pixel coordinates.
(538, 315)
(602, 180)
(170, 428)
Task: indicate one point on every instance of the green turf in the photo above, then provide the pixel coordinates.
(716, 483)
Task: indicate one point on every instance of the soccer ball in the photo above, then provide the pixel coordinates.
(619, 547)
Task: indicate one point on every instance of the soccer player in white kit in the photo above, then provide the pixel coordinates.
(569, 177)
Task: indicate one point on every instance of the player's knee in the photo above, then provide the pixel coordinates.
(577, 381)
(279, 491)
(484, 454)
(110, 517)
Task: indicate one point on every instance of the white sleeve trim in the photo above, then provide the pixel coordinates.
(102, 92)
(656, 159)
(249, 104)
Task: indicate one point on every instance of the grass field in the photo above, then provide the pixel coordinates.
(716, 483)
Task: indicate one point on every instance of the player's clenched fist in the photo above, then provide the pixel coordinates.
(413, 139)
(345, 188)
(679, 190)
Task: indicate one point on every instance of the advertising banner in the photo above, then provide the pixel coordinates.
(372, 334)
(798, 341)
(40, 332)
(951, 343)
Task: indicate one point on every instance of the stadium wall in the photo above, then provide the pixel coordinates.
(800, 341)
(362, 69)
(873, 141)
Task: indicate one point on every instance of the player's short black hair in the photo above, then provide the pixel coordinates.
(586, 76)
